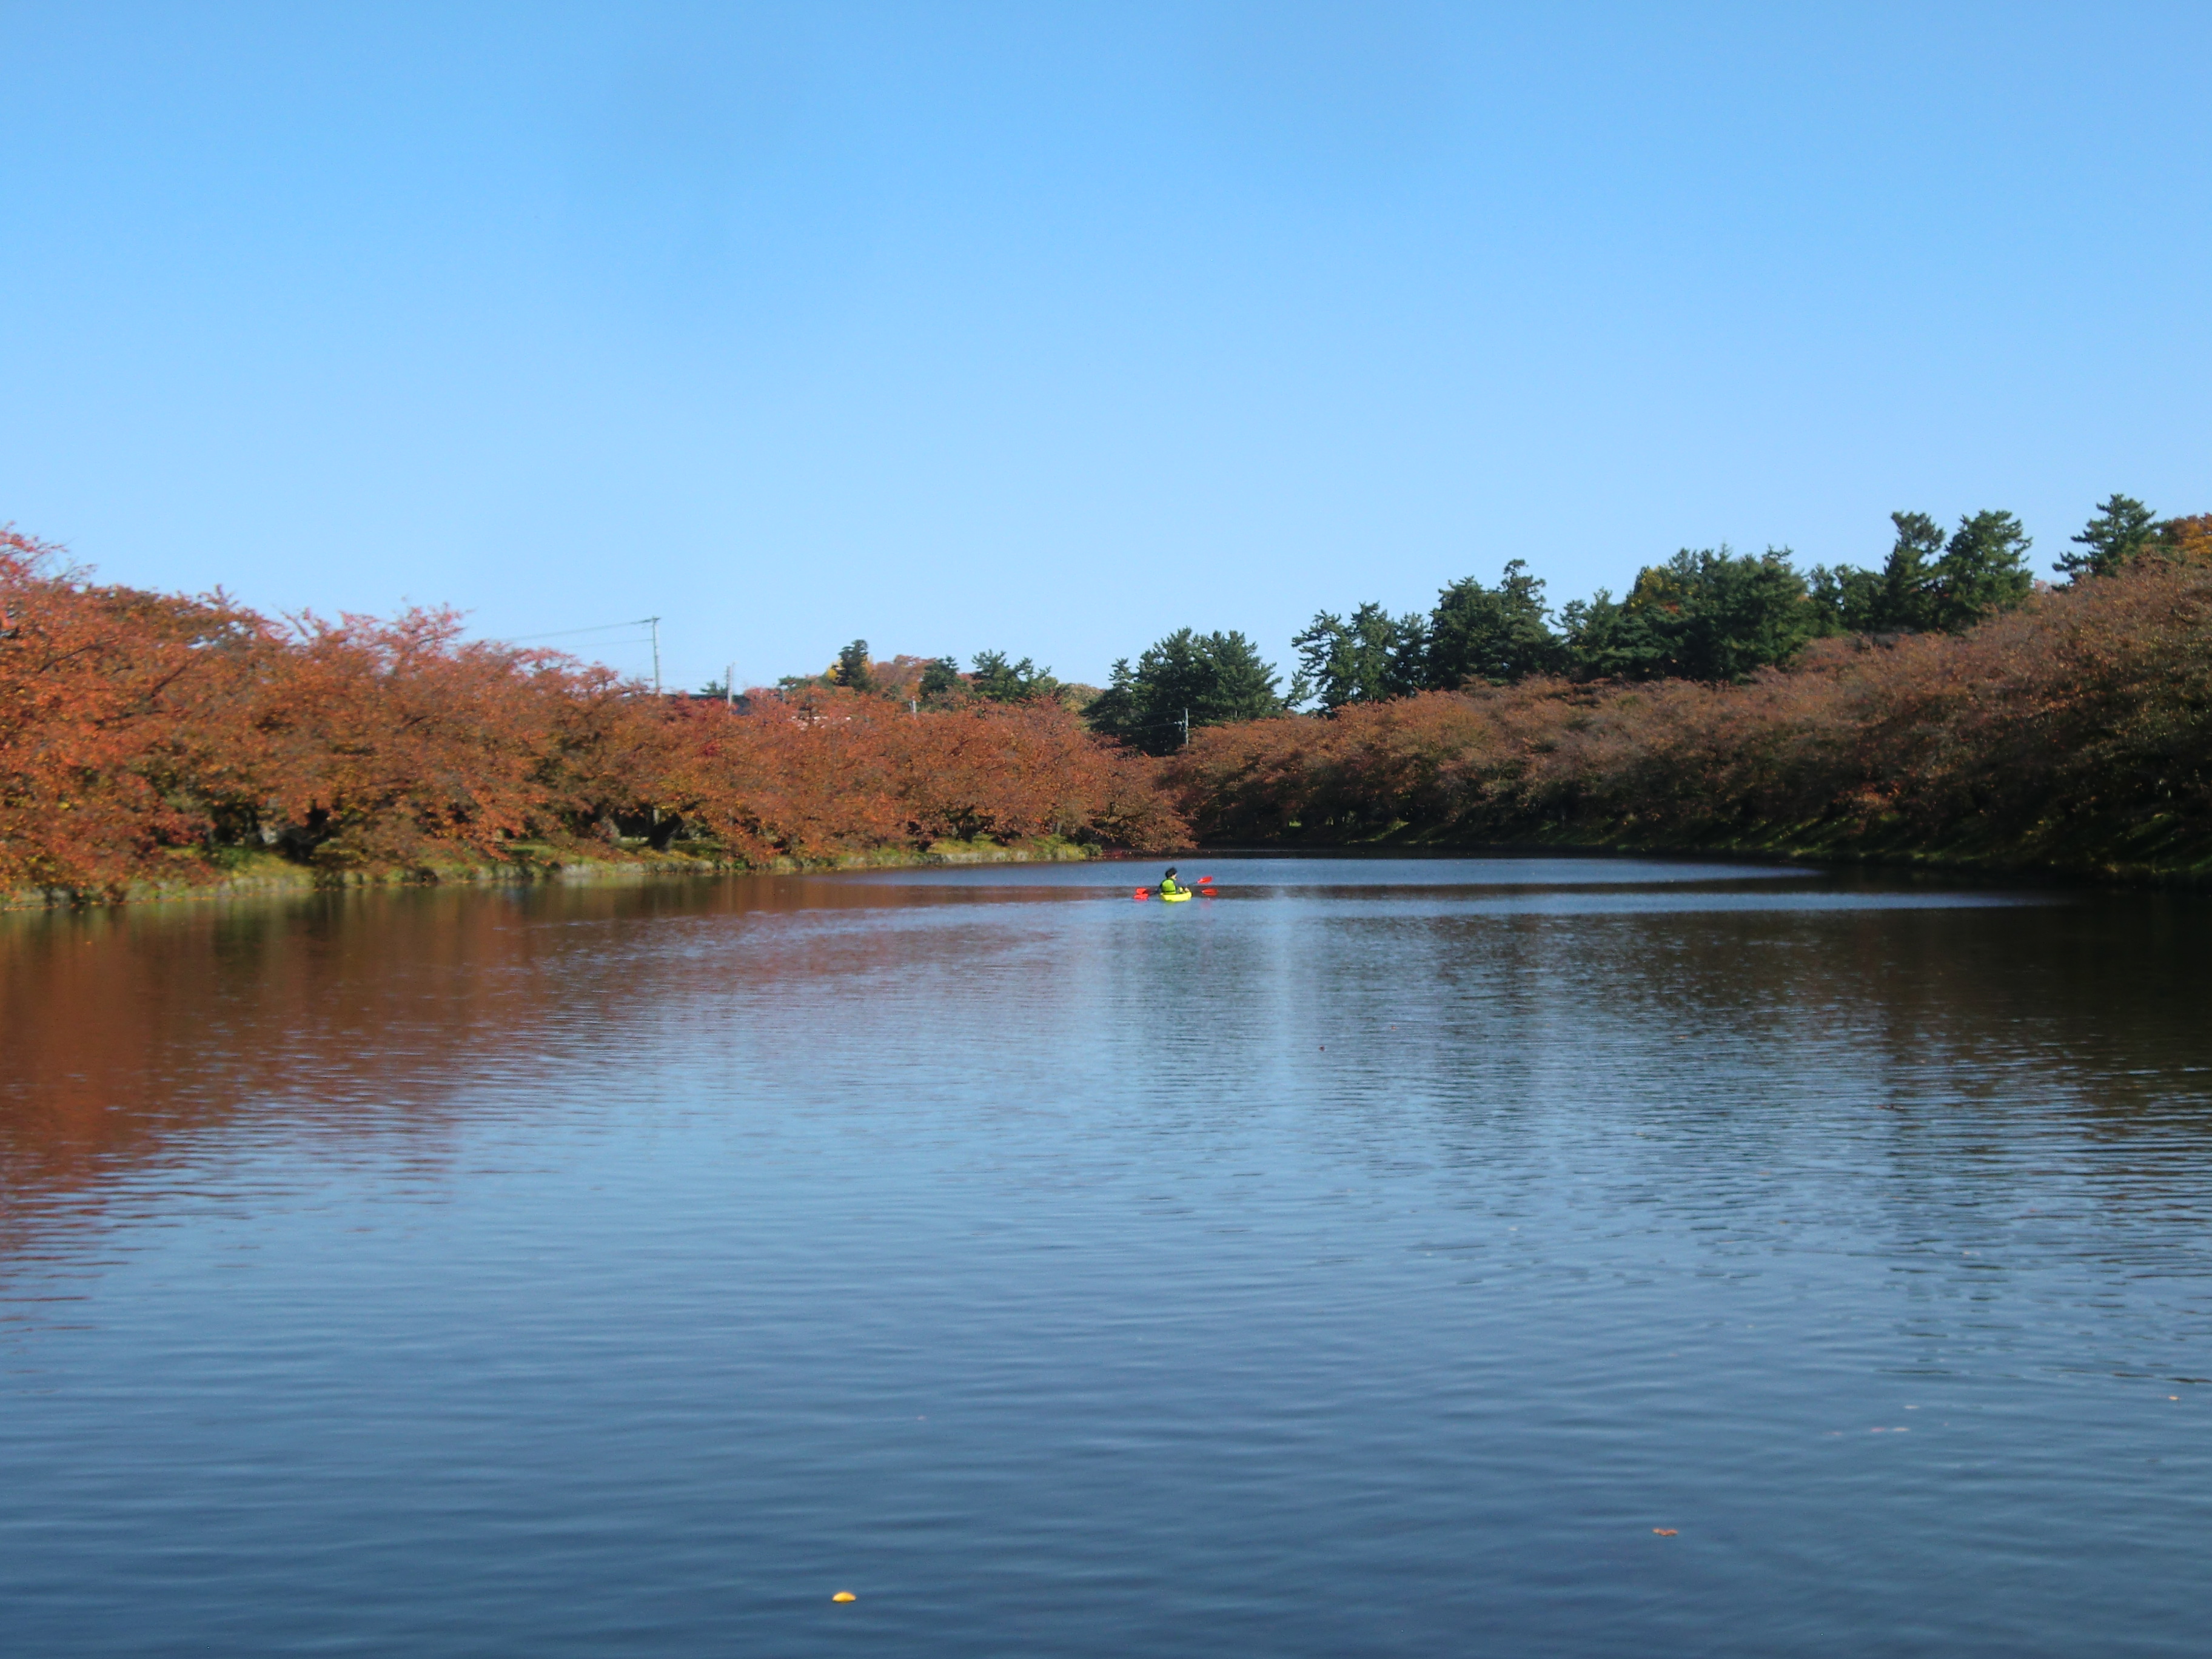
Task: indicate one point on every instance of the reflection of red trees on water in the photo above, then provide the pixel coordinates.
(122, 1030)
(150, 1050)
(139, 730)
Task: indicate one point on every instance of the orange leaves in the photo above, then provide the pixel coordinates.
(830, 772)
(164, 721)
(2190, 539)
(114, 705)
(2076, 729)
(133, 723)
(387, 743)
(1427, 758)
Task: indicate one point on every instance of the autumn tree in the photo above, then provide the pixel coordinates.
(125, 722)
(2070, 730)
(2187, 540)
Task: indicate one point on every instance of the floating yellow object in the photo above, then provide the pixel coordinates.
(844, 1595)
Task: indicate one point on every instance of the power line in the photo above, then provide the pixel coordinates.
(653, 623)
(570, 633)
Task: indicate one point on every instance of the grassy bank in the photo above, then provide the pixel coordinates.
(233, 873)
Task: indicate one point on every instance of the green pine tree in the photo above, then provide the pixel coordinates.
(1208, 679)
(851, 668)
(2122, 530)
(1499, 634)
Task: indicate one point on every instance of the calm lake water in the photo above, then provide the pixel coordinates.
(1367, 1262)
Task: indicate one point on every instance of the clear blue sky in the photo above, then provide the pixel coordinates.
(1053, 327)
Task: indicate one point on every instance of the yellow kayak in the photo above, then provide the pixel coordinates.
(1175, 898)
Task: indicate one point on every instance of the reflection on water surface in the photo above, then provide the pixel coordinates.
(1367, 1261)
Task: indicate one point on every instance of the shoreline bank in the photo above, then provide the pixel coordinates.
(2080, 870)
(258, 875)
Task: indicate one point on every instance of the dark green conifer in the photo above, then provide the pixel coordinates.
(2122, 530)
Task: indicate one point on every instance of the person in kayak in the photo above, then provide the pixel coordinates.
(1170, 885)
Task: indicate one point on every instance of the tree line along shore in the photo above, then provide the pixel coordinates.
(151, 738)
(1944, 705)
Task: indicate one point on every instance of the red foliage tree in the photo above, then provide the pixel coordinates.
(138, 727)
(124, 720)
(825, 772)
(2076, 730)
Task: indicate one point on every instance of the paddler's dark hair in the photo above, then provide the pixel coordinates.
(1172, 869)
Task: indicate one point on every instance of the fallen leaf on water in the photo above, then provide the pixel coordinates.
(1666, 1532)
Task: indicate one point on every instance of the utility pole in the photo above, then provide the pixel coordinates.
(730, 684)
(655, 621)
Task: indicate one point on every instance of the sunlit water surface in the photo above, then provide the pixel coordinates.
(1369, 1261)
